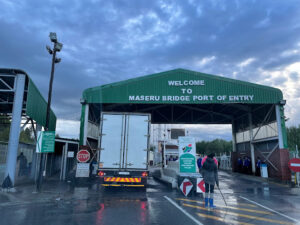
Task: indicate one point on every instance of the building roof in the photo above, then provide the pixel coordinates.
(150, 89)
(34, 105)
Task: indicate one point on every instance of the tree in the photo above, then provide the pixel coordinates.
(25, 135)
(216, 146)
(4, 128)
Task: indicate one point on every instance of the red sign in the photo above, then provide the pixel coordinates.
(83, 156)
(294, 165)
(186, 186)
(200, 185)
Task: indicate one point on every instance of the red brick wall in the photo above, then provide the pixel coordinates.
(280, 159)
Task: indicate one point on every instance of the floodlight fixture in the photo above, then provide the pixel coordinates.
(53, 37)
(58, 46)
(282, 102)
(49, 50)
(57, 60)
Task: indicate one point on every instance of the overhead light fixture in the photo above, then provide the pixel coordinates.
(49, 50)
(57, 60)
(53, 37)
(58, 46)
(282, 102)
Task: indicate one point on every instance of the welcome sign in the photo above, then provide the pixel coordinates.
(186, 93)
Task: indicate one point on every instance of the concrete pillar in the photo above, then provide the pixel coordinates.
(279, 127)
(86, 123)
(65, 160)
(14, 132)
(251, 144)
(233, 136)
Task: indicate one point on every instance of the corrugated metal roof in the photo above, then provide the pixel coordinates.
(170, 87)
(35, 104)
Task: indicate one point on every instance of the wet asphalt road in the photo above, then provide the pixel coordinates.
(157, 205)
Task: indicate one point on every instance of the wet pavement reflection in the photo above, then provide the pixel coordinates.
(104, 206)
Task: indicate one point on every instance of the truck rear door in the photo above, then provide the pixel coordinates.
(136, 149)
(112, 139)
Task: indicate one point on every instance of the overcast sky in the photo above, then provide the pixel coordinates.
(107, 41)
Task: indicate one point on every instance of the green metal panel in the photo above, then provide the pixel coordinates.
(283, 128)
(36, 107)
(156, 88)
(82, 124)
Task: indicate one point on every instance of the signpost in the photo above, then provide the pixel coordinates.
(45, 142)
(200, 185)
(83, 156)
(187, 155)
(186, 186)
(294, 165)
(83, 170)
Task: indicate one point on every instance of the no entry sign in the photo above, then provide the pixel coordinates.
(294, 165)
(200, 185)
(186, 186)
(83, 156)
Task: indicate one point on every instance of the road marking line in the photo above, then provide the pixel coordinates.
(272, 210)
(222, 219)
(182, 210)
(246, 210)
(230, 207)
(238, 214)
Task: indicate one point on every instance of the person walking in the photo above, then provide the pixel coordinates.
(210, 176)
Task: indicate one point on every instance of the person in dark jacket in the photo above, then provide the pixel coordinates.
(210, 176)
(258, 165)
(240, 164)
(199, 160)
(23, 164)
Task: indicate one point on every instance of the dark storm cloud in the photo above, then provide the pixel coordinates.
(108, 41)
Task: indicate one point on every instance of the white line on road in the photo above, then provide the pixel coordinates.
(182, 210)
(272, 210)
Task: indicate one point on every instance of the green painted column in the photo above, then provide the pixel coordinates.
(82, 120)
(282, 136)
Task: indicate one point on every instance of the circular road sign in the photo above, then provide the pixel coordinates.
(294, 165)
(83, 156)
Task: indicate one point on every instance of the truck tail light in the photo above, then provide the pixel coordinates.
(144, 174)
(101, 174)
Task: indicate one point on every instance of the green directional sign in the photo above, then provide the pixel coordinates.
(45, 142)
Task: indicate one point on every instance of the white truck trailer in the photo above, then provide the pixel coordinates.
(124, 148)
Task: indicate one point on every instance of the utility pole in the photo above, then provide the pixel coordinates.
(56, 48)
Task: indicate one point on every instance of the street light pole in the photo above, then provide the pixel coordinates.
(50, 90)
(56, 48)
